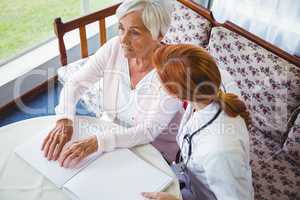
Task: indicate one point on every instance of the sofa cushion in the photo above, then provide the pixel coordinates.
(92, 98)
(270, 86)
(276, 178)
(291, 122)
(65, 72)
(261, 146)
(187, 27)
(292, 144)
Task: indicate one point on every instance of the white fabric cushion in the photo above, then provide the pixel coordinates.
(92, 98)
(65, 72)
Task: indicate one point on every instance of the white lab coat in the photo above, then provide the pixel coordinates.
(220, 153)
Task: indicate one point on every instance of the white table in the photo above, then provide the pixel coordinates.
(18, 180)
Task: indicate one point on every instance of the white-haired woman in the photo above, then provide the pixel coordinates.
(132, 94)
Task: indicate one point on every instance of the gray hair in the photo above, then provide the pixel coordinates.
(155, 14)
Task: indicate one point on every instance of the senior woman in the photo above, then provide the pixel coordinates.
(132, 94)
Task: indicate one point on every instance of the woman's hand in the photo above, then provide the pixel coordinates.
(57, 138)
(159, 196)
(77, 151)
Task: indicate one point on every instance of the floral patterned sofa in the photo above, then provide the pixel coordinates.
(269, 83)
(270, 86)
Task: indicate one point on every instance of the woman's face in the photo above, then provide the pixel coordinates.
(135, 38)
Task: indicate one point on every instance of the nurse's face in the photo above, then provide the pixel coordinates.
(135, 38)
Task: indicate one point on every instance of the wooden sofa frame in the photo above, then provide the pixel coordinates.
(62, 28)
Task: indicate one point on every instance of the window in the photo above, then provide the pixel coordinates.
(24, 24)
(98, 4)
(274, 20)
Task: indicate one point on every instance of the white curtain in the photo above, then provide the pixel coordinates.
(277, 21)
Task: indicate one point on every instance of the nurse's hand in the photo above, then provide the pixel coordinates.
(159, 196)
(57, 138)
(77, 151)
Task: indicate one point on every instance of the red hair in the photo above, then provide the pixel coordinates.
(190, 73)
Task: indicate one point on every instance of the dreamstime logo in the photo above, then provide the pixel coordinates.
(150, 96)
(35, 76)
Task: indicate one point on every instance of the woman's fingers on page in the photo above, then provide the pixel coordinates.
(72, 155)
(158, 196)
(58, 149)
(150, 195)
(73, 163)
(81, 156)
(48, 137)
(64, 155)
(45, 141)
(72, 149)
(76, 160)
(52, 147)
(67, 162)
(47, 145)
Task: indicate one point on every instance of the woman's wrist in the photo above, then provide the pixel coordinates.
(93, 142)
(65, 121)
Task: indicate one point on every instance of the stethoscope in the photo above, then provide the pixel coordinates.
(189, 137)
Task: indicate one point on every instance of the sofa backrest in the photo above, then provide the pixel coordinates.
(267, 76)
(269, 84)
(187, 26)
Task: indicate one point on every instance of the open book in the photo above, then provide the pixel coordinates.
(120, 174)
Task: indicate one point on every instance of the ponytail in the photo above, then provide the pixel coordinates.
(233, 106)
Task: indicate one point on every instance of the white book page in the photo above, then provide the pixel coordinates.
(117, 175)
(31, 152)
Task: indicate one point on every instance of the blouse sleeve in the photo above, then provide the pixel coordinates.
(82, 80)
(228, 176)
(157, 121)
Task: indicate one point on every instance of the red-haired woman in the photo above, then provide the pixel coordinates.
(213, 135)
